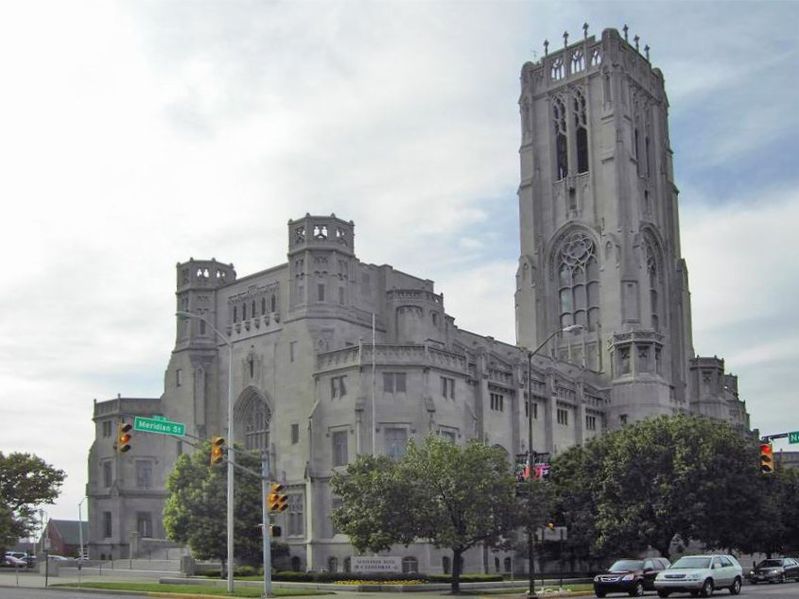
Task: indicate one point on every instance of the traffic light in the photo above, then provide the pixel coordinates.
(217, 450)
(123, 437)
(276, 500)
(766, 458)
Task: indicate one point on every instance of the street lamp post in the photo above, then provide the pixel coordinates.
(231, 451)
(530, 452)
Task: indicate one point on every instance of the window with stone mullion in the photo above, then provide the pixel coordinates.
(578, 283)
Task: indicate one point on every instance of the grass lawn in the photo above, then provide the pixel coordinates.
(190, 589)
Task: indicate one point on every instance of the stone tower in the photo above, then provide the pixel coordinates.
(599, 226)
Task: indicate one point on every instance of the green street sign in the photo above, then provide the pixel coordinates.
(793, 437)
(161, 427)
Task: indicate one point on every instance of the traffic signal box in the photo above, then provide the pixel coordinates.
(766, 458)
(276, 501)
(217, 450)
(123, 437)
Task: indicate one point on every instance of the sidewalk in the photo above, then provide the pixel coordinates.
(32, 579)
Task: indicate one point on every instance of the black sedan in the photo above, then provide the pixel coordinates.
(777, 569)
(631, 576)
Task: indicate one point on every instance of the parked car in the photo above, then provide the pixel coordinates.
(777, 569)
(17, 554)
(11, 560)
(631, 576)
(59, 558)
(700, 575)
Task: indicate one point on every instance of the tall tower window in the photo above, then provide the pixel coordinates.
(578, 282)
(561, 151)
(580, 132)
(654, 286)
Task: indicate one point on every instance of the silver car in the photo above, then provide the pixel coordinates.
(700, 575)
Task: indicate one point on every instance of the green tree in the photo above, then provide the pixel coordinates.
(644, 484)
(575, 488)
(535, 509)
(195, 512)
(26, 482)
(453, 496)
(772, 521)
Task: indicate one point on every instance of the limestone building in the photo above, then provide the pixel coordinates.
(332, 356)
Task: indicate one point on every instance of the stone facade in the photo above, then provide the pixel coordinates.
(329, 357)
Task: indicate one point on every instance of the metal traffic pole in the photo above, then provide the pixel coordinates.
(267, 533)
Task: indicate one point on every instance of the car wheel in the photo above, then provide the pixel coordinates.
(694, 593)
(662, 593)
(600, 593)
(753, 581)
(638, 591)
(707, 588)
(781, 579)
(736, 586)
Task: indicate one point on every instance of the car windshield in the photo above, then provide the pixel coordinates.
(625, 565)
(691, 562)
(770, 563)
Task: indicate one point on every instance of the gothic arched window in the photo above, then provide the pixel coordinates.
(654, 285)
(252, 419)
(561, 150)
(578, 282)
(580, 132)
(578, 62)
(557, 69)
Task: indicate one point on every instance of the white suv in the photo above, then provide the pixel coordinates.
(700, 575)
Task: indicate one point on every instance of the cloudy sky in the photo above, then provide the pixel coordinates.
(137, 134)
